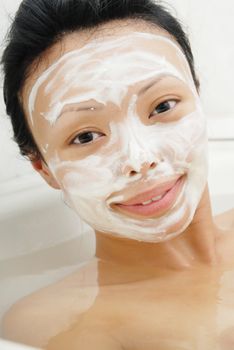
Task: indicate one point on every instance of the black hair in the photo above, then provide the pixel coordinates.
(39, 24)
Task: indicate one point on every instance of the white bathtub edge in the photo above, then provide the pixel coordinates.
(8, 345)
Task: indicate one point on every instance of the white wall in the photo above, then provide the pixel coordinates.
(211, 30)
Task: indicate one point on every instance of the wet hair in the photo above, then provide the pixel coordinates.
(40, 24)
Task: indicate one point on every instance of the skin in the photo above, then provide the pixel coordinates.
(130, 296)
(135, 147)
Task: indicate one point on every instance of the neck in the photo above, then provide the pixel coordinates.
(195, 246)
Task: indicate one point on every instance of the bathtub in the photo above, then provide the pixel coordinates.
(41, 240)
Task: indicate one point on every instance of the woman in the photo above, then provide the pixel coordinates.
(104, 101)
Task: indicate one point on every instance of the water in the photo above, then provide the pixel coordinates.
(190, 309)
(24, 274)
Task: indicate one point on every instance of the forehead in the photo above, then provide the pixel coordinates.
(105, 64)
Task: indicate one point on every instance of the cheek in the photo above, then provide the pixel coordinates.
(89, 177)
(188, 137)
(99, 168)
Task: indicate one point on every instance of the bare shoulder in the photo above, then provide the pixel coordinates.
(40, 316)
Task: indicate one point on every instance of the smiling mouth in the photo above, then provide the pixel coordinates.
(155, 202)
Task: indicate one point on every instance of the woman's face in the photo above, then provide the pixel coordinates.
(119, 123)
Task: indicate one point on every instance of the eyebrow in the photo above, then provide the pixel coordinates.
(153, 82)
(68, 107)
(77, 108)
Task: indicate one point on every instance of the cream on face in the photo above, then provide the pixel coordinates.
(87, 67)
(104, 71)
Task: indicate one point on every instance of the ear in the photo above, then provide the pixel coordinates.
(41, 167)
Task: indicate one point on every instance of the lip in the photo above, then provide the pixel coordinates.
(169, 190)
(152, 192)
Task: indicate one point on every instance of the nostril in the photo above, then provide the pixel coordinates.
(132, 173)
(153, 165)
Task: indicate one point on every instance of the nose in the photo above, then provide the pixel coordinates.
(129, 171)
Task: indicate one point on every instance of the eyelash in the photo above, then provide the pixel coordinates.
(85, 133)
(163, 102)
(99, 133)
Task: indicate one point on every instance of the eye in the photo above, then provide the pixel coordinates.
(86, 137)
(164, 107)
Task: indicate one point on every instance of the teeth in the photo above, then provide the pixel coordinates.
(148, 202)
(152, 200)
(156, 198)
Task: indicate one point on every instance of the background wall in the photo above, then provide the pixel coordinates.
(210, 27)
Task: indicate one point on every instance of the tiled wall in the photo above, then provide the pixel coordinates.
(210, 27)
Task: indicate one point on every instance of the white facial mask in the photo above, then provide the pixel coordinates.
(89, 184)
